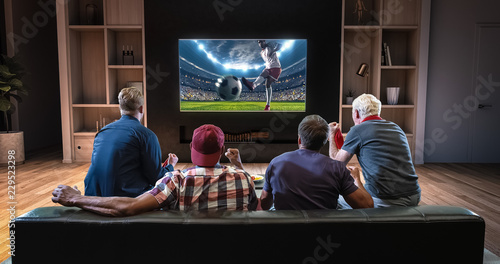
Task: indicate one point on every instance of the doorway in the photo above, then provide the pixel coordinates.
(484, 103)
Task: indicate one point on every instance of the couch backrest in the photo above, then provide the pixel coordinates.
(422, 234)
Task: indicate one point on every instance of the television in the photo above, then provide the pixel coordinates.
(242, 75)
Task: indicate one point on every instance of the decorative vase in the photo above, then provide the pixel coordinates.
(392, 95)
(348, 100)
(9, 142)
(91, 14)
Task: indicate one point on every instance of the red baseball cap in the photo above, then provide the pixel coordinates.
(206, 146)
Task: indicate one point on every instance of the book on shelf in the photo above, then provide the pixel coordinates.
(383, 57)
(387, 55)
(384, 54)
(389, 60)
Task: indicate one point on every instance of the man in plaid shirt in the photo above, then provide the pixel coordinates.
(207, 186)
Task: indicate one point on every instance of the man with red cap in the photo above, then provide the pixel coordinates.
(207, 186)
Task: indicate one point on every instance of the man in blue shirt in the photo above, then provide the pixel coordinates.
(126, 159)
(383, 154)
(305, 179)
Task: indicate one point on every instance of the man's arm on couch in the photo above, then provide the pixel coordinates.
(110, 206)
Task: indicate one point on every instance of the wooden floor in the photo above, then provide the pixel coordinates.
(473, 186)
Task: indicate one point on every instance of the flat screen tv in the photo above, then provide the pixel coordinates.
(242, 75)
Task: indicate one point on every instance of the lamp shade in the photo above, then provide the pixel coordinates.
(363, 70)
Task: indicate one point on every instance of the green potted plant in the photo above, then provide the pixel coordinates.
(11, 87)
(349, 96)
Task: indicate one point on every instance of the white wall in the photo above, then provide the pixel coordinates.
(451, 74)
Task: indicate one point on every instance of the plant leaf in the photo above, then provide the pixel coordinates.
(4, 71)
(4, 87)
(4, 104)
(16, 83)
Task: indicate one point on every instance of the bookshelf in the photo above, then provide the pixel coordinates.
(94, 36)
(396, 23)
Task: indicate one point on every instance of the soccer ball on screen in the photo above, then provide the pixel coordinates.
(228, 88)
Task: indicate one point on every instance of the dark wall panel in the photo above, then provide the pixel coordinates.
(168, 21)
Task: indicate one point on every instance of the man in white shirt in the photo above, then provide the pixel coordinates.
(271, 72)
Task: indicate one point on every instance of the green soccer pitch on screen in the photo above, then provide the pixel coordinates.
(238, 75)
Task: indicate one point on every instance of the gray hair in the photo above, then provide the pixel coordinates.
(367, 105)
(313, 132)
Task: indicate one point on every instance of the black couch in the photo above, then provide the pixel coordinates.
(422, 234)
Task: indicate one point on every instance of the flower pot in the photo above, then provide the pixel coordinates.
(392, 95)
(12, 142)
(348, 100)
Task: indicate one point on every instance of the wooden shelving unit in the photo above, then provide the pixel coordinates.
(92, 36)
(396, 23)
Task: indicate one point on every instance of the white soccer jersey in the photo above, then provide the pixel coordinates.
(269, 55)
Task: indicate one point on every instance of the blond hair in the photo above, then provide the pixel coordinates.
(367, 105)
(130, 100)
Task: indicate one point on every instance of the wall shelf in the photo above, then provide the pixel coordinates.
(398, 67)
(397, 106)
(126, 28)
(84, 134)
(361, 28)
(96, 105)
(399, 28)
(97, 33)
(86, 27)
(137, 67)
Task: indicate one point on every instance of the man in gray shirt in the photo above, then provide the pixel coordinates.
(383, 154)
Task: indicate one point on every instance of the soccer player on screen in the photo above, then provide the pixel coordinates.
(272, 71)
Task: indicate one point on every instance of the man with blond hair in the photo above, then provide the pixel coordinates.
(126, 159)
(383, 153)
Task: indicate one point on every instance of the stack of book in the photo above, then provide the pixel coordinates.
(251, 137)
(386, 55)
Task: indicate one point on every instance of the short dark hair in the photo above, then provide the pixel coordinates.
(313, 132)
